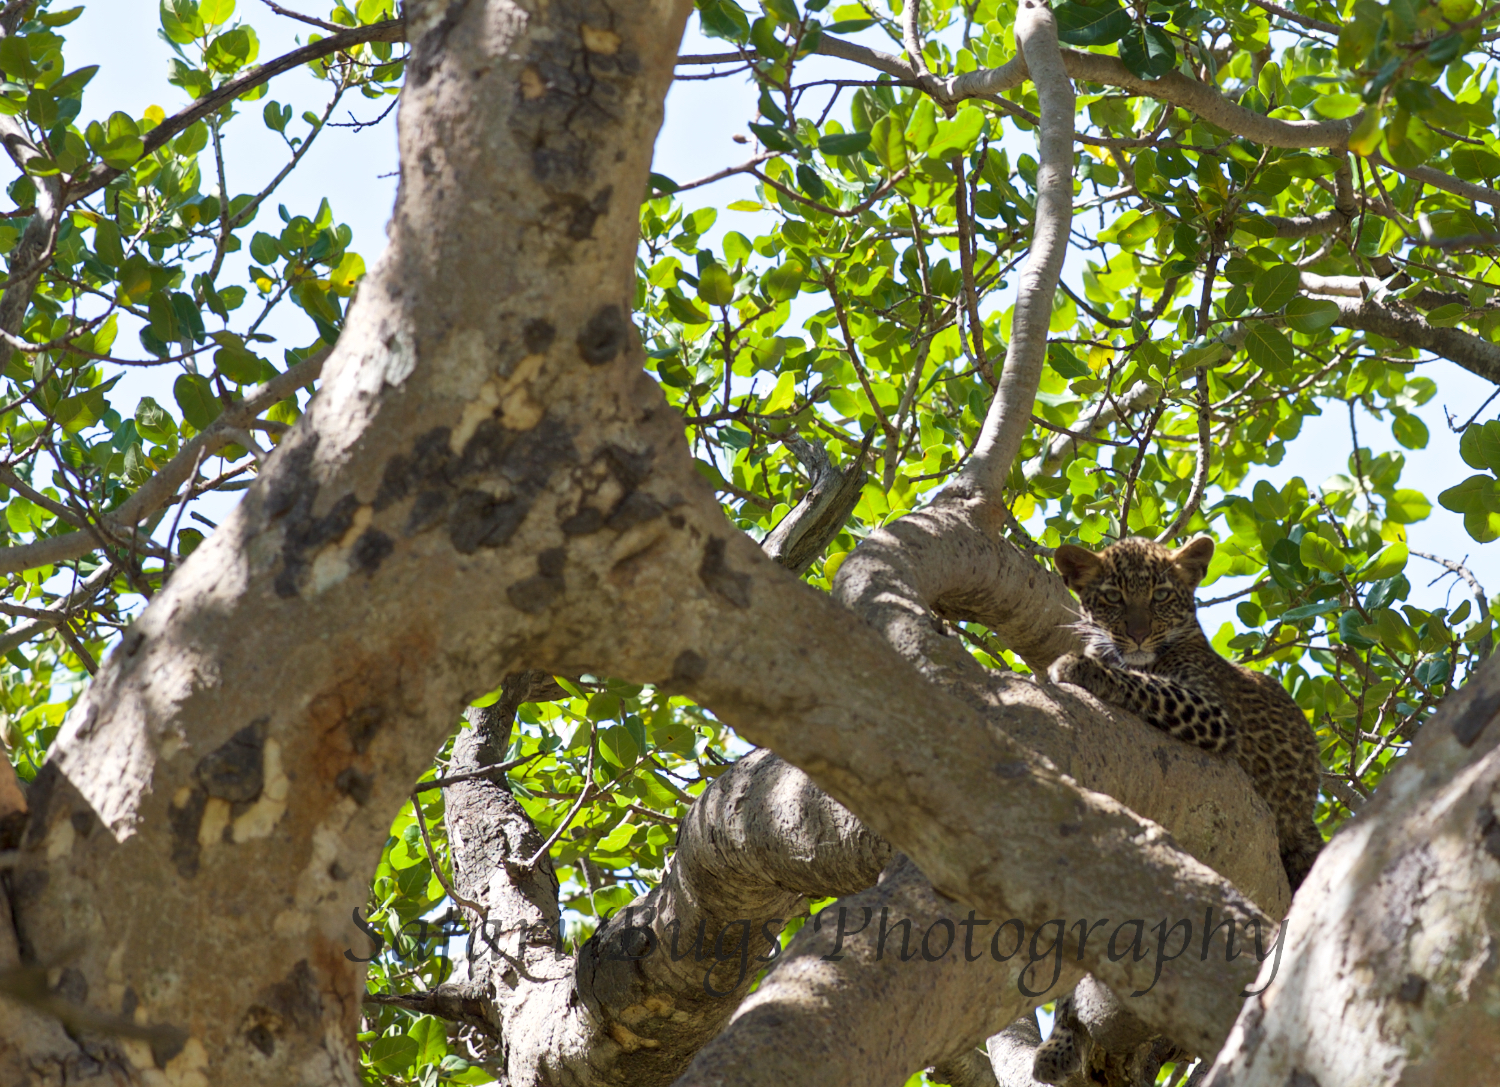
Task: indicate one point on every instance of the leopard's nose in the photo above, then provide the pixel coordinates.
(1137, 628)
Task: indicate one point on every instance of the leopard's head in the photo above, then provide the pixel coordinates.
(1137, 596)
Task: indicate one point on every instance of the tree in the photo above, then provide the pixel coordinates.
(509, 482)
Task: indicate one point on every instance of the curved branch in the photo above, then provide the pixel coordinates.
(391, 30)
(1009, 416)
(1174, 88)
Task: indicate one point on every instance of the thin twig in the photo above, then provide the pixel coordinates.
(583, 796)
(480, 912)
(472, 775)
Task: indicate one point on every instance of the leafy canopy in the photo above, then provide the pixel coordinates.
(862, 305)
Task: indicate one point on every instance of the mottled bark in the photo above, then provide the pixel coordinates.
(1389, 975)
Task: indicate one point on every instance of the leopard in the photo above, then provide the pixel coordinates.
(1145, 651)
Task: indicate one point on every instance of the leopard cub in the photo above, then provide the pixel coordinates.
(1146, 653)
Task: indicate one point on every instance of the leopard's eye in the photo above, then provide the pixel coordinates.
(1162, 595)
(1113, 596)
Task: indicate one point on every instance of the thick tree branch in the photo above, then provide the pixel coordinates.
(1478, 356)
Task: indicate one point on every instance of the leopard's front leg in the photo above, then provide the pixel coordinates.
(1162, 702)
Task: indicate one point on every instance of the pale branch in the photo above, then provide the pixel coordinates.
(1305, 226)
(911, 37)
(1013, 1050)
(58, 613)
(391, 30)
(1481, 599)
(1440, 180)
(1369, 287)
(1009, 416)
(158, 491)
(755, 846)
(968, 987)
(1173, 88)
(1107, 410)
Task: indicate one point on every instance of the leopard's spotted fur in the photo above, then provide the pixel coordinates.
(1146, 653)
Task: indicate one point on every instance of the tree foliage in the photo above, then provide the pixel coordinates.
(1229, 287)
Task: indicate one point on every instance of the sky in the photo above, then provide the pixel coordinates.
(355, 169)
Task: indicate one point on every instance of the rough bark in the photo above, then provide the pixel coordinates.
(661, 977)
(1389, 975)
(488, 481)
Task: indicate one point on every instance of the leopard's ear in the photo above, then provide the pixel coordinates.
(1078, 566)
(1193, 558)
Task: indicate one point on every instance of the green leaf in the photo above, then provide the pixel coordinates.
(235, 361)
(1065, 363)
(1389, 561)
(810, 183)
(1320, 554)
(58, 18)
(844, 143)
(957, 134)
(1394, 631)
(783, 395)
(393, 1054)
(684, 311)
(1275, 287)
(723, 19)
(431, 1036)
(1407, 507)
(715, 286)
(215, 12)
(784, 10)
(195, 396)
(1473, 163)
(1447, 316)
(1310, 315)
(1410, 431)
(773, 138)
(782, 283)
(152, 421)
(1475, 494)
(264, 248)
(921, 130)
(1307, 611)
(1147, 51)
(180, 21)
(1483, 525)
(1268, 347)
(1480, 445)
(1080, 25)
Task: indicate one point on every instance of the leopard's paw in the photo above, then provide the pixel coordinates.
(1074, 669)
